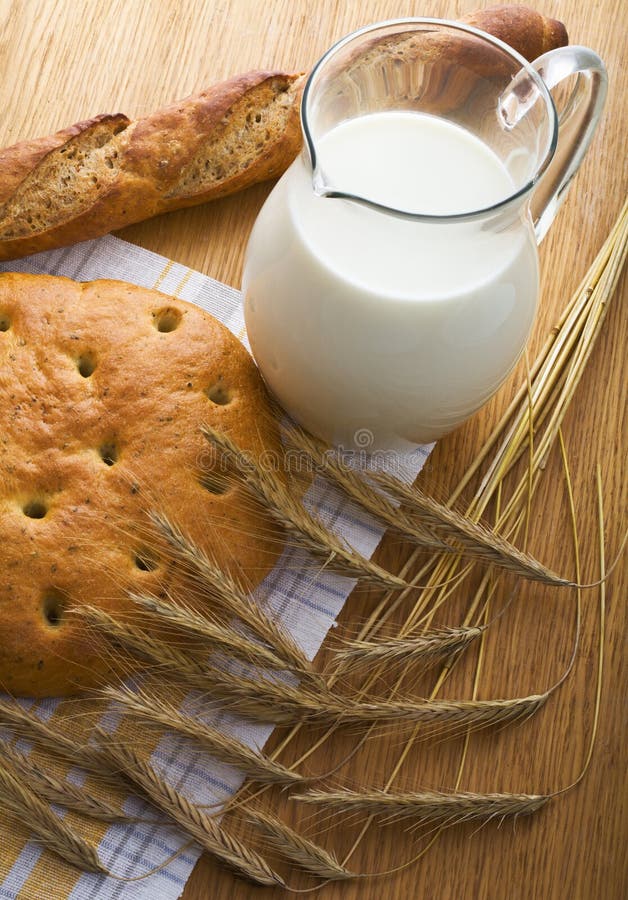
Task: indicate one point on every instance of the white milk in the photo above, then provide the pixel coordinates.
(364, 321)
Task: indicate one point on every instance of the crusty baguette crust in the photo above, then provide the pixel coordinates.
(151, 154)
(430, 52)
(155, 159)
(526, 30)
(20, 160)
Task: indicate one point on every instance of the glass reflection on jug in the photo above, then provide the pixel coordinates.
(391, 278)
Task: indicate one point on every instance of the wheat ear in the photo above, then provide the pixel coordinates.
(297, 521)
(472, 714)
(61, 792)
(428, 806)
(474, 539)
(224, 587)
(20, 800)
(425, 648)
(258, 697)
(274, 701)
(420, 518)
(355, 485)
(158, 711)
(53, 738)
(297, 849)
(196, 625)
(205, 830)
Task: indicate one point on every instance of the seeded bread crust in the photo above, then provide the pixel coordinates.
(108, 172)
(103, 388)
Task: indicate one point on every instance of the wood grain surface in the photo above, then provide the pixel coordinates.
(64, 60)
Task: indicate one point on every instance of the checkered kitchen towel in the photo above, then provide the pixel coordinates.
(306, 604)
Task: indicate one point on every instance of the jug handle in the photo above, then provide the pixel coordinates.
(576, 125)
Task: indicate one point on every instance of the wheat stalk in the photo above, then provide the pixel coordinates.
(20, 800)
(556, 374)
(428, 806)
(297, 521)
(158, 711)
(61, 792)
(218, 842)
(224, 587)
(297, 849)
(424, 648)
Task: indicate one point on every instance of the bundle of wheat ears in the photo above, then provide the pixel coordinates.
(367, 686)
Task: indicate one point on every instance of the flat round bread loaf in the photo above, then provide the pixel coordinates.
(103, 389)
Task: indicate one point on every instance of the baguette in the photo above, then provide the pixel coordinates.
(371, 67)
(525, 30)
(108, 172)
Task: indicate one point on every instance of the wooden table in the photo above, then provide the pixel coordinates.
(61, 61)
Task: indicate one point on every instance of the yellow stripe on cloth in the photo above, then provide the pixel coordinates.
(182, 283)
(12, 840)
(51, 877)
(163, 274)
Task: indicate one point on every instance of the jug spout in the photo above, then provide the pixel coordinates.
(320, 187)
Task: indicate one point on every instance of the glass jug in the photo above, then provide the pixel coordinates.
(391, 278)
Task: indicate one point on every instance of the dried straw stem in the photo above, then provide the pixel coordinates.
(234, 598)
(297, 849)
(424, 649)
(158, 711)
(428, 806)
(19, 799)
(555, 376)
(558, 370)
(61, 792)
(205, 830)
(297, 521)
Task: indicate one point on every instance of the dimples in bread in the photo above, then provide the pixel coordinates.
(103, 389)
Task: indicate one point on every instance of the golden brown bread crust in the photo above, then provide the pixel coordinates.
(529, 32)
(153, 159)
(18, 161)
(84, 454)
(137, 174)
(429, 54)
